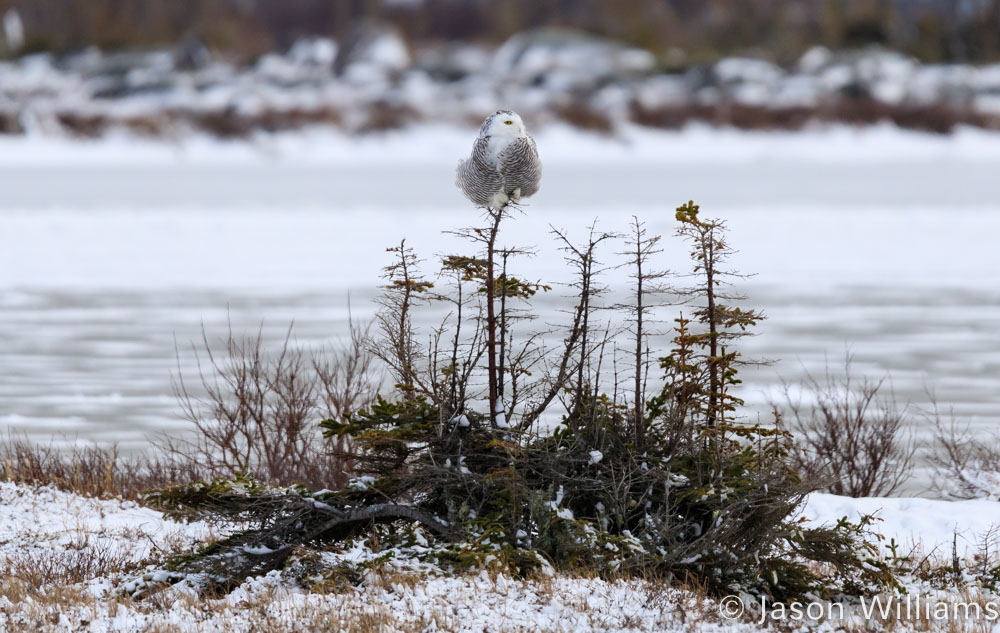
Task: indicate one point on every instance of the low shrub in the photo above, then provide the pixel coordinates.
(673, 486)
(852, 440)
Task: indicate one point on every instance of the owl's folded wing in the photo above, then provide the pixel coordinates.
(477, 177)
(521, 167)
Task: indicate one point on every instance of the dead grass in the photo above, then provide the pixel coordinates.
(89, 471)
(10, 123)
(84, 125)
(59, 568)
(37, 611)
(66, 607)
(382, 116)
(224, 123)
(938, 119)
(62, 608)
(54, 571)
(582, 116)
(916, 619)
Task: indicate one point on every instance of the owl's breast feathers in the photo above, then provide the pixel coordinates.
(499, 169)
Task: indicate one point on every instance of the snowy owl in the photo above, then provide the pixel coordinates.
(504, 165)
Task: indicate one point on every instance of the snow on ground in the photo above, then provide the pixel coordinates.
(35, 522)
(435, 143)
(929, 525)
(42, 526)
(467, 604)
(52, 530)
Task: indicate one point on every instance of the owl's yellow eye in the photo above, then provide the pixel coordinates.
(508, 122)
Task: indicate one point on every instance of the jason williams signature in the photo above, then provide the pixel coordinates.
(907, 607)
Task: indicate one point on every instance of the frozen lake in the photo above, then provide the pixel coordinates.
(113, 254)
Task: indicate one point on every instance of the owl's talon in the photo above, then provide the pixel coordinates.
(499, 200)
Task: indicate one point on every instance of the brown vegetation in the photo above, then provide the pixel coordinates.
(225, 123)
(852, 440)
(91, 471)
(584, 117)
(935, 118)
(255, 412)
(699, 31)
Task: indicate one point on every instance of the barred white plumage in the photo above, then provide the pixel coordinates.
(504, 164)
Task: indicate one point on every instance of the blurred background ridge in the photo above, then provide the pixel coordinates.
(931, 30)
(233, 67)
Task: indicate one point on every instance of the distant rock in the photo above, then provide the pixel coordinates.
(191, 54)
(372, 49)
(452, 62)
(569, 60)
(318, 51)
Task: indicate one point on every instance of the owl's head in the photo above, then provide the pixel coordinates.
(503, 123)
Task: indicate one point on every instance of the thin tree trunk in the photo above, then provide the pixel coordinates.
(491, 319)
(503, 326)
(640, 431)
(584, 330)
(406, 361)
(713, 340)
(454, 351)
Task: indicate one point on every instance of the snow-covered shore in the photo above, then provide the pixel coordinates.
(49, 536)
(550, 75)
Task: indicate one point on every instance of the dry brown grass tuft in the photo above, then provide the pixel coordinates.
(89, 471)
(935, 118)
(584, 117)
(10, 123)
(55, 568)
(223, 123)
(83, 125)
(384, 116)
